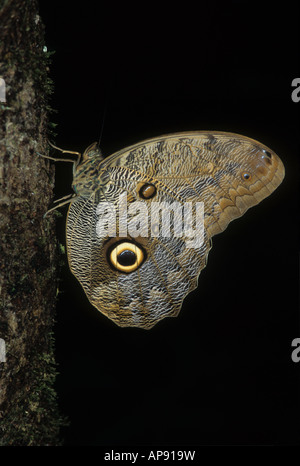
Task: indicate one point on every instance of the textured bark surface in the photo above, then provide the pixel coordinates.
(28, 407)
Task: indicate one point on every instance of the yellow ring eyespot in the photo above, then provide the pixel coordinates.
(246, 176)
(147, 191)
(126, 256)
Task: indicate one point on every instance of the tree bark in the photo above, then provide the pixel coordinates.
(28, 404)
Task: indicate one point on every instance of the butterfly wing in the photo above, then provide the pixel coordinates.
(225, 172)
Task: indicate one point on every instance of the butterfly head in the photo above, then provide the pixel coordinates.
(93, 152)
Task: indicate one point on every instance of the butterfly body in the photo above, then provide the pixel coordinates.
(138, 279)
(86, 174)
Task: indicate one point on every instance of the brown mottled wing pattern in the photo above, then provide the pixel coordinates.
(229, 173)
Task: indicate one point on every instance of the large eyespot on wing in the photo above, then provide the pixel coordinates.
(125, 256)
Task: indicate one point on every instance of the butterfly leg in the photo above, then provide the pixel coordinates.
(66, 151)
(65, 199)
(58, 159)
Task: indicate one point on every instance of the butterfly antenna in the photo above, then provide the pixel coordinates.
(102, 125)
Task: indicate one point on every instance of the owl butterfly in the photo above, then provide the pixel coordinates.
(138, 279)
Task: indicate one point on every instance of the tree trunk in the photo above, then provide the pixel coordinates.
(28, 406)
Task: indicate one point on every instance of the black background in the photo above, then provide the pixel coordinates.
(221, 373)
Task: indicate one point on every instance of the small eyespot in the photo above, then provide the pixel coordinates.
(147, 191)
(268, 154)
(126, 256)
(267, 157)
(246, 176)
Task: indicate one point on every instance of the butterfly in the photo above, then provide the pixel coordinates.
(133, 272)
